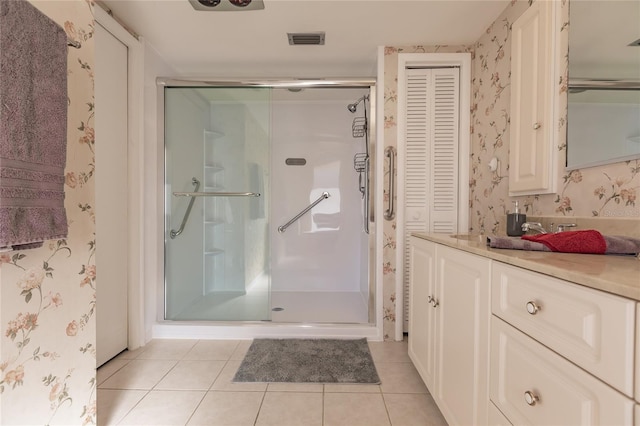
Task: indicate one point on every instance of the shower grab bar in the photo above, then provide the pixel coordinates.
(390, 153)
(284, 227)
(366, 196)
(216, 194)
(174, 233)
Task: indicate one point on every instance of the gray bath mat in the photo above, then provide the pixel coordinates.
(308, 361)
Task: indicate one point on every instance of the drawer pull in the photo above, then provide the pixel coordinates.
(531, 398)
(429, 299)
(435, 302)
(532, 308)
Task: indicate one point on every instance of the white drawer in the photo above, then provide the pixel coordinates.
(567, 395)
(496, 418)
(591, 328)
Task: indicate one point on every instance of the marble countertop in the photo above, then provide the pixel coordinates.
(614, 274)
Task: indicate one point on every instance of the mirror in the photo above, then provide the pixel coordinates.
(603, 118)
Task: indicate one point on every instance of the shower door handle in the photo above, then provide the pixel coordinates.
(390, 153)
(175, 233)
(216, 194)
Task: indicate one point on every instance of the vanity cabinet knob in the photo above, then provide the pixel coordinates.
(532, 308)
(531, 398)
(429, 299)
(435, 303)
(536, 126)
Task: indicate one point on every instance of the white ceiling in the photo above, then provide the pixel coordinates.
(254, 43)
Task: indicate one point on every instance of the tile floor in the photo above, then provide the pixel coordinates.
(188, 382)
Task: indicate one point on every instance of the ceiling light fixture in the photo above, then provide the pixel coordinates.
(227, 5)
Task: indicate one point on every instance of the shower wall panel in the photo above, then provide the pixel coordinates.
(326, 249)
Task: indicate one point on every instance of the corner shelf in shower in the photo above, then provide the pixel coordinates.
(214, 168)
(214, 134)
(213, 252)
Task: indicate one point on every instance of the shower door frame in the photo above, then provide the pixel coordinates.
(375, 291)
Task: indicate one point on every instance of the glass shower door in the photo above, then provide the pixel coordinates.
(217, 213)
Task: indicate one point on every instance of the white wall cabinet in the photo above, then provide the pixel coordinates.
(534, 98)
(449, 329)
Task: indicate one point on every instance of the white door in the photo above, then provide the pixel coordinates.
(430, 146)
(111, 195)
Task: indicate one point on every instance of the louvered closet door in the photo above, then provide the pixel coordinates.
(431, 157)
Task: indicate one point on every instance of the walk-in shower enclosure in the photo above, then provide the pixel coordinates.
(267, 202)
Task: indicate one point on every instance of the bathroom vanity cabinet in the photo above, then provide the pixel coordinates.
(449, 328)
(498, 342)
(534, 100)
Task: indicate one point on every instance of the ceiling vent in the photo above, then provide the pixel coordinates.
(296, 39)
(227, 5)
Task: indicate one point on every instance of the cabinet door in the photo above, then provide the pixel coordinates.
(422, 258)
(462, 336)
(531, 150)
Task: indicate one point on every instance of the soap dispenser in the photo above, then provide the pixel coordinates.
(515, 221)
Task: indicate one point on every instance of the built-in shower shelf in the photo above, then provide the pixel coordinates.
(214, 222)
(213, 252)
(214, 168)
(213, 134)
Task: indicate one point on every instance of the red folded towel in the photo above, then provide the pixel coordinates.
(584, 241)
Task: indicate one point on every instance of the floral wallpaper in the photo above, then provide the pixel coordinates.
(605, 191)
(47, 347)
(390, 237)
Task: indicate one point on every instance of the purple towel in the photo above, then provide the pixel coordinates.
(615, 244)
(33, 126)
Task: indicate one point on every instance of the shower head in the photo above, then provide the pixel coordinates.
(354, 106)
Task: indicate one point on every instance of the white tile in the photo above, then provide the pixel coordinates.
(164, 408)
(191, 375)
(113, 404)
(213, 350)
(351, 409)
(295, 387)
(389, 351)
(291, 409)
(241, 350)
(167, 349)
(413, 410)
(224, 380)
(127, 354)
(400, 377)
(139, 374)
(108, 369)
(228, 408)
(351, 388)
